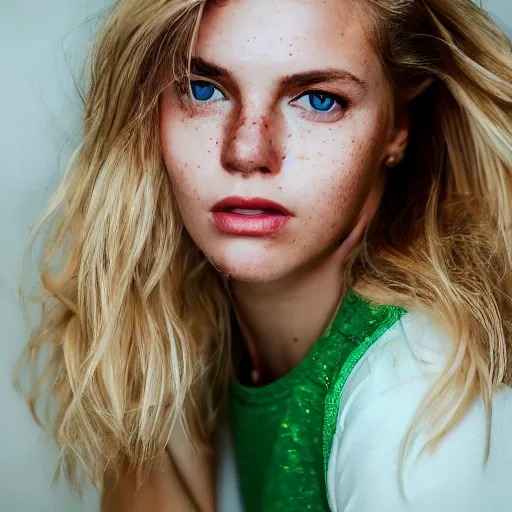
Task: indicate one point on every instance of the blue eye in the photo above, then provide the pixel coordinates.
(204, 91)
(320, 102)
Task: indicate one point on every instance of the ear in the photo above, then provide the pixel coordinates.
(400, 133)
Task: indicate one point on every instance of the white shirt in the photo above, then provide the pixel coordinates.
(377, 406)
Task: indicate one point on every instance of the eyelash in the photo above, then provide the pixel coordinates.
(340, 101)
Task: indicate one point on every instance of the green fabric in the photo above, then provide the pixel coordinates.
(283, 431)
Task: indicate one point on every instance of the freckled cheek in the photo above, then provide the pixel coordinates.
(332, 210)
(181, 174)
(336, 177)
(193, 147)
(321, 159)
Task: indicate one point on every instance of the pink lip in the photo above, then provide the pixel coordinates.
(259, 225)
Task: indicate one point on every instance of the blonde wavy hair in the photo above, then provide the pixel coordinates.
(137, 320)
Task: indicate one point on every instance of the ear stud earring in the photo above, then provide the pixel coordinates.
(391, 161)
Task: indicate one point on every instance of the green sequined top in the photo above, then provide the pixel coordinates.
(283, 431)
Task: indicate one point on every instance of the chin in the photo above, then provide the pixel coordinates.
(251, 266)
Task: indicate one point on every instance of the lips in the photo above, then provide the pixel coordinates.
(249, 206)
(256, 217)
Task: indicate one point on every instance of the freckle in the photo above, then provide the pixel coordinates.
(283, 157)
(280, 188)
(217, 142)
(289, 135)
(253, 123)
(291, 54)
(309, 131)
(295, 340)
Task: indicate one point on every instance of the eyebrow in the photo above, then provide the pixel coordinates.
(207, 69)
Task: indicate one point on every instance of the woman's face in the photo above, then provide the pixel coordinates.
(288, 103)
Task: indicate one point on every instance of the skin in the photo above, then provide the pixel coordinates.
(257, 138)
(164, 491)
(181, 480)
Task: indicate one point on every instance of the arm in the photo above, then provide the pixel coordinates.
(163, 492)
(181, 481)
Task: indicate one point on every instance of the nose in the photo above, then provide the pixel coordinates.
(252, 145)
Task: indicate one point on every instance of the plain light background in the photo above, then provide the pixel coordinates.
(42, 43)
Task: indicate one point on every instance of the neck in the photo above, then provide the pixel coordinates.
(281, 320)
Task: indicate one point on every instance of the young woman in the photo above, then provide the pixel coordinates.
(293, 215)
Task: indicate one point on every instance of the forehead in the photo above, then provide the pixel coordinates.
(286, 36)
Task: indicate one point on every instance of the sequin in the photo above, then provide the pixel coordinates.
(283, 431)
